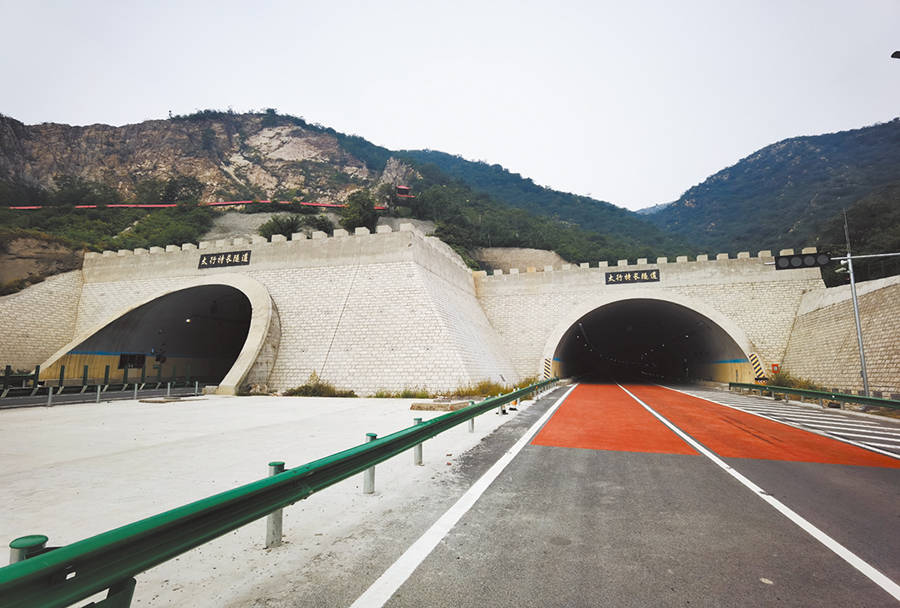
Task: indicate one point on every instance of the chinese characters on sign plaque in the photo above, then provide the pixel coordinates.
(632, 276)
(218, 260)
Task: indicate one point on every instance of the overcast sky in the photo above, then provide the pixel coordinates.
(631, 102)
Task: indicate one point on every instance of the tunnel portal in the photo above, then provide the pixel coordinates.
(646, 340)
(196, 332)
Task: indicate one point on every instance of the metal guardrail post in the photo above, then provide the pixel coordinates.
(34, 380)
(168, 389)
(49, 395)
(106, 376)
(125, 378)
(24, 547)
(275, 519)
(62, 378)
(369, 475)
(135, 391)
(196, 387)
(98, 394)
(471, 420)
(417, 451)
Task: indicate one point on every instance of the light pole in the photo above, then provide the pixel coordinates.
(862, 354)
(848, 262)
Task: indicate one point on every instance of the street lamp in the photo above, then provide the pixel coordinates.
(848, 262)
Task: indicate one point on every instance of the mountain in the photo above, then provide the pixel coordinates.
(785, 194)
(652, 209)
(522, 193)
(215, 155)
(788, 194)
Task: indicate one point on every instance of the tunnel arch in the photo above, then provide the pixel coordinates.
(254, 359)
(709, 344)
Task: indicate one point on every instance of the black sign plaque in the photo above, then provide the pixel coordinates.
(220, 260)
(632, 276)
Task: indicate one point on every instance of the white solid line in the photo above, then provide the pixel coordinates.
(830, 419)
(855, 432)
(807, 413)
(884, 445)
(794, 425)
(840, 550)
(390, 581)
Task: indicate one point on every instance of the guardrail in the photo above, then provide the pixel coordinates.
(820, 395)
(55, 578)
(18, 385)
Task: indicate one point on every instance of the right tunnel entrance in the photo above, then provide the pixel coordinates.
(646, 340)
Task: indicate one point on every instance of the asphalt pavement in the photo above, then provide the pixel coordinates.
(590, 513)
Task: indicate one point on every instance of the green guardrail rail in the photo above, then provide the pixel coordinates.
(821, 395)
(62, 576)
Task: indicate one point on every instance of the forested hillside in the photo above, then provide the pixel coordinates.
(786, 194)
(521, 192)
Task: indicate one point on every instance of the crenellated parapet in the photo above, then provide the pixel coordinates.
(258, 253)
(763, 259)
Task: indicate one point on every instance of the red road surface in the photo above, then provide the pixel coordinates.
(734, 434)
(604, 417)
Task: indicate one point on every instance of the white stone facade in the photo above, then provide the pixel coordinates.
(397, 310)
(760, 302)
(39, 320)
(368, 312)
(824, 346)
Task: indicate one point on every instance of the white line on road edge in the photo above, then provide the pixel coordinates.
(840, 550)
(388, 583)
(796, 425)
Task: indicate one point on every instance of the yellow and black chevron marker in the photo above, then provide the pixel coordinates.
(760, 375)
(548, 369)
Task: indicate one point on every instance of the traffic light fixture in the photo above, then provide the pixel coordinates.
(803, 260)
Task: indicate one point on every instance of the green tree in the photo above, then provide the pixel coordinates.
(281, 224)
(360, 211)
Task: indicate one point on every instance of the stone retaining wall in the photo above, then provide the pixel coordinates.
(824, 346)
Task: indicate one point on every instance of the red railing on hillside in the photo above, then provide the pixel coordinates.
(164, 205)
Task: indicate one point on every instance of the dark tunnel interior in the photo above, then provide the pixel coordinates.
(201, 328)
(644, 340)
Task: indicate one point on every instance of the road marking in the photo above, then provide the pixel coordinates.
(868, 446)
(841, 551)
(825, 419)
(849, 432)
(390, 581)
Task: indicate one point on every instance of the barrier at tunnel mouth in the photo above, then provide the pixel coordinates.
(164, 341)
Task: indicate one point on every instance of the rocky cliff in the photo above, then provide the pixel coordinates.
(233, 156)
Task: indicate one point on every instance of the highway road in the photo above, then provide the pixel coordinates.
(642, 495)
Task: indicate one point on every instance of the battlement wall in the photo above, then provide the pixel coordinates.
(760, 300)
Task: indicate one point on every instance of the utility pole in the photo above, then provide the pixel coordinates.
(859, 339)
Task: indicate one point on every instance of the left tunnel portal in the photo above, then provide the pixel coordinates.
(196, 332)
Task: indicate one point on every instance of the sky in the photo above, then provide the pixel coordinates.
(628, 102)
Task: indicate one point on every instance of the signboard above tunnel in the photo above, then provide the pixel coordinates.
(633, 276)
(219, 260)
